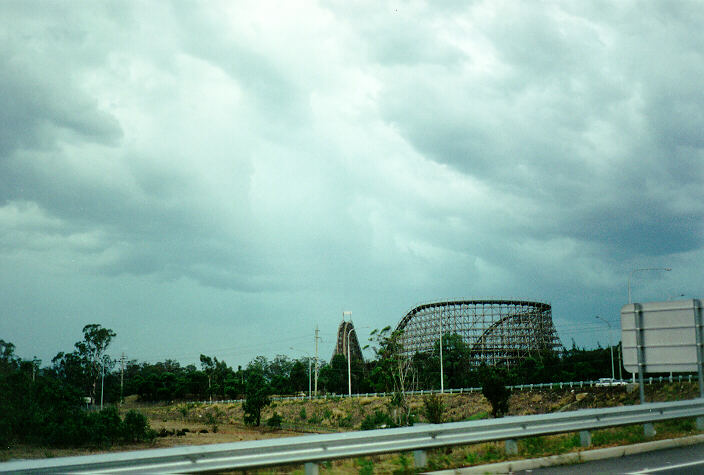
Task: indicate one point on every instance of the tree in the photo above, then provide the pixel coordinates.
(91, 350)
(395, 370)
(456, 360)
(208, 366)
(279, 371)
(495, 390)
(43, 408)
(333, 377)
(8, 360)
(256, 397)
(299, 376)
(82, 368)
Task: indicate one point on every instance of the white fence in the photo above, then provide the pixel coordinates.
(520, 387)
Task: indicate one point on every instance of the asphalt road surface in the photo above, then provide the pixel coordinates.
(681, 460)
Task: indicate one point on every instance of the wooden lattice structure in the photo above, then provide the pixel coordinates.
(345, 329)
(497, 331)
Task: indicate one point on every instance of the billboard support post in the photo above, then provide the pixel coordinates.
(640, 350)
(700, 356)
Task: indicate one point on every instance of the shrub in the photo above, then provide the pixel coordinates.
(377, 420)
(495, 390)
(434, 408)
(274, 421)
(346, 421)
(136, 428)
(104, 427)
(366, 466)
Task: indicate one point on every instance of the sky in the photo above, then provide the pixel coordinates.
(222, 177)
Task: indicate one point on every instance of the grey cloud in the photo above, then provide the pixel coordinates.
(40, 98)
(206, 36)
(186, 164)
(564, 83)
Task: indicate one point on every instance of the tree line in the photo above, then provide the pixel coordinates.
(215, 379)
(48, 404)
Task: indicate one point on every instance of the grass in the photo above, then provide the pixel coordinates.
(335, 414)
(618, 436)
(478, 416)
(531, 447)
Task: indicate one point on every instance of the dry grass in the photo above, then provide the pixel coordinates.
(223, 423)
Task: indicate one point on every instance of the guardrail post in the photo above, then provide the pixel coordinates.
(700, 423)
(311, 468)
(648, 429)
(420, 458)
(585, 438)
(511, 447)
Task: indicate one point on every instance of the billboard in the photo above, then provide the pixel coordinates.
(668, 335)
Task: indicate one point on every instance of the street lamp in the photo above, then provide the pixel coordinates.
(102, 381)
(442, 382)
(349, 364)
(613, 376)
(667, 269)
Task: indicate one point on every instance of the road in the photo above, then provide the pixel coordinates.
(681, 460)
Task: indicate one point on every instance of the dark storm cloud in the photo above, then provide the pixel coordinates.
(41, 100)
(204, 169)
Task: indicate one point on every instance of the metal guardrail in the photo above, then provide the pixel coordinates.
(317, 448)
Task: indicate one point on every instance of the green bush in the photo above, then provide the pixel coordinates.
(275, 421)
(104, 427)
(377, 420)
(365, 465)
(345, 421)
(315, 419)
(495, 391)
(434, 408)
(136, 428)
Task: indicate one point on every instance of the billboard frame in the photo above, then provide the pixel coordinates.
(645, 332)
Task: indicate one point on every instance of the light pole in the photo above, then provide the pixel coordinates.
(666, 269)
(102, 384)
(349, 364)
(442, 382)
(613, 375)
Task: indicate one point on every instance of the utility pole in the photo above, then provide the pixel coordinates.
(620, 375)
(316, 360)
(122, 376)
